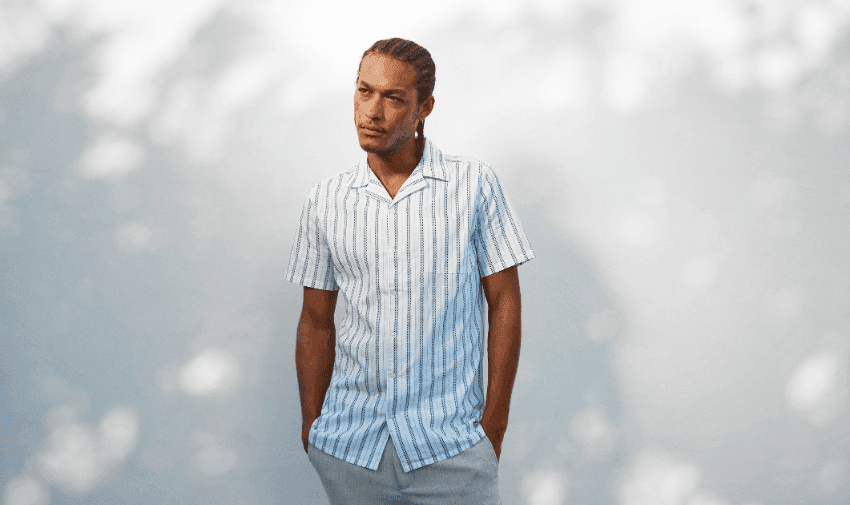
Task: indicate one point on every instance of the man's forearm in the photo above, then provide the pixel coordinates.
(314, 360)
(502, 361)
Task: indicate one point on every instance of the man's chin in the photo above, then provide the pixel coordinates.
(372, 147)
(369, 148)
(380, 147)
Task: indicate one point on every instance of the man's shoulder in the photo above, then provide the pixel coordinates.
(467, 165)
(462, 160)
(334, 182)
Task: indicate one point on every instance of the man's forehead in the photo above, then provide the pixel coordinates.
(385, 72)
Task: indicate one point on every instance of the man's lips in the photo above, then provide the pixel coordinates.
(368, 130)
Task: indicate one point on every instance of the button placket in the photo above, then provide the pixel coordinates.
(390, 288)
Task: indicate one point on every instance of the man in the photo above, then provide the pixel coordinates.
(392, 404)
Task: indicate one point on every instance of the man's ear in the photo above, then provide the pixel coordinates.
(426, 108)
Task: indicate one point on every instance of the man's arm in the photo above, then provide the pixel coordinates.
(315, 353)
(503, 315)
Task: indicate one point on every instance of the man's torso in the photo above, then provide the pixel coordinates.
(409, 349)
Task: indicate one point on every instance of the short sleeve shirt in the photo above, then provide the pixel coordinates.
(409, 351)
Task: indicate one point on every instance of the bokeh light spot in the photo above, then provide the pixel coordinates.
(133, 237)
(544, 487)
(777, 67)
(25, 490)
(657, 478)
(70, 459)
(591, 429)
(816, 29)
(23, 31)
(561, 82)
(626, 82)
(119, 432)
(212, 370)
(814, 388)
(111, 156)
(636, 228)
(77, 457)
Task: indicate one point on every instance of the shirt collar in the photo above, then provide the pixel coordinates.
(431, 165)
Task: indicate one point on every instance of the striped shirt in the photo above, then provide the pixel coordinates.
(409, 350)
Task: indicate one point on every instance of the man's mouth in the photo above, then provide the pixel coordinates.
(368, 130)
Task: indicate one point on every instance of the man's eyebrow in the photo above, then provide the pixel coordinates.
(398, 91)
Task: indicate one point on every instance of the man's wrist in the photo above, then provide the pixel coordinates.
(494, 413)
(494, 422)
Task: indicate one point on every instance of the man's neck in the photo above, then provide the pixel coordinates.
(395, 164)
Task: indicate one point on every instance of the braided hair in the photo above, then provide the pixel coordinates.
(411, 52)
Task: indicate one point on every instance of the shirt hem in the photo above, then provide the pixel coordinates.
(431, 461)
(414, 465)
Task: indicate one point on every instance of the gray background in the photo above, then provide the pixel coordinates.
(681, 169)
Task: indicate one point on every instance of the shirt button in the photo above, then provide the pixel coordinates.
(392, 375)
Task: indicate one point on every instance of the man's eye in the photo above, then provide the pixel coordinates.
(397, 99)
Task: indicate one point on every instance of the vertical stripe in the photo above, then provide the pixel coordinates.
(424, 371)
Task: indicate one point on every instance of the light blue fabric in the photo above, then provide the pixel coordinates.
(409, 350)
(471, 477)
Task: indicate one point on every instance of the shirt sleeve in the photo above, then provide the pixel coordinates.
(310, 261)
(500, 241)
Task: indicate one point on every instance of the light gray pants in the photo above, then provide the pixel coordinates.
(470, 477)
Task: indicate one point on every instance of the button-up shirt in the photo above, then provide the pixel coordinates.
(409, 351)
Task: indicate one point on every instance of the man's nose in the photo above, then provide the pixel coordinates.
(374, 108)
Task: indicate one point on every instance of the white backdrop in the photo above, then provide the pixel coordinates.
(681, 169)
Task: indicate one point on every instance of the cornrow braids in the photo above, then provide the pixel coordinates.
(411, 52)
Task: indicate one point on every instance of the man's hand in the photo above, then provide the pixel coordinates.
(305, 432)
(495, 434)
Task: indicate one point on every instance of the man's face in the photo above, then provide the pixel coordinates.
(385, 110)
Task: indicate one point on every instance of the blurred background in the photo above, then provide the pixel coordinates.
(681, 169)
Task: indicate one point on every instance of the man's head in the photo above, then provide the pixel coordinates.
(395, 82)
